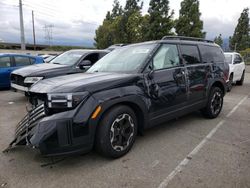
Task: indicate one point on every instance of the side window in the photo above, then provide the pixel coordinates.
(167, 56)
(211, 54)
(22, 61)
(190, 54)
(32, 60)
(94, 57)
(5, 62)
(237, 58)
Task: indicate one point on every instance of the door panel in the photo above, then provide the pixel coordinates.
(5, 70)
(170, 91)
(197, 73)
(197, 77)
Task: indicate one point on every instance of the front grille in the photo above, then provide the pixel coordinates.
(17, 79)
(26, 125)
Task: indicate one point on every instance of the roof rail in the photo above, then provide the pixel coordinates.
(186, 38)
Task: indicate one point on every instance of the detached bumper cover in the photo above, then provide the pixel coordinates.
(53, 135)
(26, 127)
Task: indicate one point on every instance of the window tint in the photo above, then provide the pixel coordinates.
(167, 56)
(22, 61)
(190, 54)
(5, 62)
(211, 54)
(94, 57)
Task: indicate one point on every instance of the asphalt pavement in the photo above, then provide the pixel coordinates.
(188, 152)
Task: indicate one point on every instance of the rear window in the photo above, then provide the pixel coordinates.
(22, 61)
(190, 54)
(211, 54)
(5, 62)
(228, 58)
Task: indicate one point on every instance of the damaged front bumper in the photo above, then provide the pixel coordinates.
(53, 135)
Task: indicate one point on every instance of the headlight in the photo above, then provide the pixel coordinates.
(65, 100)
(32, 80)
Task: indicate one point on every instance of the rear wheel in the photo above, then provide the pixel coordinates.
(241, 80)
(230, 83)
(214, 104)
(116, 132)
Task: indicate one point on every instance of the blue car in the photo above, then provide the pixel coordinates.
(11, 62)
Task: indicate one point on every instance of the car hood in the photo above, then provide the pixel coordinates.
(80, 82)
(40, 69)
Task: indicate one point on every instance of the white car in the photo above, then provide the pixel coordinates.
(236, 69)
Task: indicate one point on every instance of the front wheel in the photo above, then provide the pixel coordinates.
(214, 104)
(116, 132)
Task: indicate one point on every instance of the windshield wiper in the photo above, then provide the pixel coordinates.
(57, 63)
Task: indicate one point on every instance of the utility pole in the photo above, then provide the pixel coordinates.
(21, 25)
(34, 33)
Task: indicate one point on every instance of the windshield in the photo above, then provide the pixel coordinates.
(126, 59)
(68, 58)
(228, 58)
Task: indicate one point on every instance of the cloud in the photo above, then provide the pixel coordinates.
(75, 21)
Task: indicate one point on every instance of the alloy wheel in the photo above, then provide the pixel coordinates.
(121, 132)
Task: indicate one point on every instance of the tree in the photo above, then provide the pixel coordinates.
(160, 22)
(189, 22)
(107, 33)
(218, 40)
(132, 6)
(241, 39)
(134, 27)
(117, 10)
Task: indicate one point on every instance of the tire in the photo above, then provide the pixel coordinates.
(240, 83)
(116, 132)
(214, 104)
(230, 83)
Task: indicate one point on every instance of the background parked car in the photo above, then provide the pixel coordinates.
(115, 46)
(70, 62)
(47, 58)
(236, 69)
(11, 62)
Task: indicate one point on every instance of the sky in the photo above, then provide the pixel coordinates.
(74, 21)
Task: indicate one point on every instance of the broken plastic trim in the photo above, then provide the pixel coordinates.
(26, 126)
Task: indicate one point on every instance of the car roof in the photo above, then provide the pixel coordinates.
(232, 53)
(176, 42)
(88, 50)
(16, 54)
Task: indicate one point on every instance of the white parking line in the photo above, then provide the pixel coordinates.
(185, 161)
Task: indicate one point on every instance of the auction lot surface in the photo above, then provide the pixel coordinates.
(189, 152)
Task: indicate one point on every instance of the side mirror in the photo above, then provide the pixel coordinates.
(85, 64)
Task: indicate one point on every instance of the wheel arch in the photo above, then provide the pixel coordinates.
(136, 105)
(220, 85)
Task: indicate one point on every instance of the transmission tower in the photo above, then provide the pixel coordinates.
(48, 30)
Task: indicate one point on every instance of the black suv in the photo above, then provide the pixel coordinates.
(127, 91)
(70, 62)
